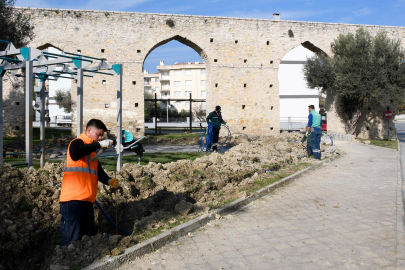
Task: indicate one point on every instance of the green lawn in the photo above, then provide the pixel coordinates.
(9, 160)
(385, 143)
(161, 157)
(49, 132)
(177, 135)
(110, 162)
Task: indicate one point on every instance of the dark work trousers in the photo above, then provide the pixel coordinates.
(316, 142)
(215, 135)
(77, 220)
(309, 150)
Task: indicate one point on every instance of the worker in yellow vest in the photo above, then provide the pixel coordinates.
(80, 181)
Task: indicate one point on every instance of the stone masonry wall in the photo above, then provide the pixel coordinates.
(237, 51)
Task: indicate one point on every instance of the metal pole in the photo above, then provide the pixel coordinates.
(155, 114)
(1, 117)
(28, 108)
(119, 118)
(191, 116)
(79, 125)
(42, 123)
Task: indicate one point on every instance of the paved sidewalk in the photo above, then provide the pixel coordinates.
(341, 216)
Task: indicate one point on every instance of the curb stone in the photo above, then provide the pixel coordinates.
(162, 239)
(400, 214)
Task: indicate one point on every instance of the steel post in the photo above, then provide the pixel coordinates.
(28, 109)
(79, 107)
(1, 118)
(191, 115)
(155, 113)
(42, 122)
(119, 118)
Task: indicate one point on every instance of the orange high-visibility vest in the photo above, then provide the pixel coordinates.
(80, 179)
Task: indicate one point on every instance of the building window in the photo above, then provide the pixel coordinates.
(177, 93)
(203, 93)
(203, 82)
(187, 104)
(157, 89)
(177, 83)
(203, 71)
(177, 73)
(188, 83)
(157, 80)
(188, 72)
(177, 104)
(188, 93)
(203, 104)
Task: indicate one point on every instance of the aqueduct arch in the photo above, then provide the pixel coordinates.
(242, 55)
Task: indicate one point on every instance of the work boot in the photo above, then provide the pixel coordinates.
(215, 148)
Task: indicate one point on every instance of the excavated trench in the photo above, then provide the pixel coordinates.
(145, 201)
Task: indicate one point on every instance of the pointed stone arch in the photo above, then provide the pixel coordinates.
(182, 40)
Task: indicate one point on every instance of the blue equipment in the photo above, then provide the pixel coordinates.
(205, 139)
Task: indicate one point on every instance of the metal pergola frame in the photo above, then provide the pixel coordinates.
(44, 66)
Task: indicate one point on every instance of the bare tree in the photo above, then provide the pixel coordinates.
(199, 112)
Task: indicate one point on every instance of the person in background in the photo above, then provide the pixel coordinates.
(314, 128)
(215, 118)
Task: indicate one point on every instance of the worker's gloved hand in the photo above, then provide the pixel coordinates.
(306, 134)
(113, 182)
(300, 144)
(106, 143)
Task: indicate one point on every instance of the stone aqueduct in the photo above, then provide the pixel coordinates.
(242, 58)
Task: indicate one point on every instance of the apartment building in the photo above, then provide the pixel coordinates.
(180, 80)
(152, 82)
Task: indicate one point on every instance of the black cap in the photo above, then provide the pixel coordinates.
(217, 108)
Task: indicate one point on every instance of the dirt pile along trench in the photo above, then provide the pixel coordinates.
(146, 200)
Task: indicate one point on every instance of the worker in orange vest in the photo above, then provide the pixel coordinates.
(80, 181)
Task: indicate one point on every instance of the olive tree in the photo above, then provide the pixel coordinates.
(64, 99)
(362, 69)
(14, 25)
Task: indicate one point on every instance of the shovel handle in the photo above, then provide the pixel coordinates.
(98, 154)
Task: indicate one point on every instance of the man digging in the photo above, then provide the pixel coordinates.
(80, 181)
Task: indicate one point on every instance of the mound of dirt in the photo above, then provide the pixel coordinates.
(145, 202)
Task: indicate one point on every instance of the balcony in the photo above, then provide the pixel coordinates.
(147, 83)
(166, 87)
(164, 97)
(164, 77)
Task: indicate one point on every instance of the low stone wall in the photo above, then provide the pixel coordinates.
(342, 136)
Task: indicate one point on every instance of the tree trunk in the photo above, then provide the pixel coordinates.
(352, 118)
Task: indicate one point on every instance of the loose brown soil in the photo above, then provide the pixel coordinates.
(145, 200)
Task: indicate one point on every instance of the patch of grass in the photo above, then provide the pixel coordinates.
(385, 143)
(49, 132)
(176, 135)
(219, 205)
(166, 157)
(36, 162)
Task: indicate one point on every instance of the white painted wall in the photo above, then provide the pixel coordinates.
(292, 83)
